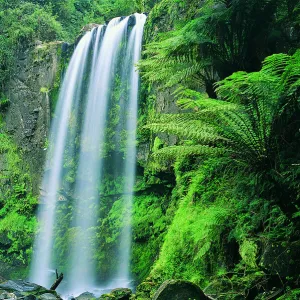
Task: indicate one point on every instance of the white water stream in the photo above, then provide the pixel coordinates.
(94, 64)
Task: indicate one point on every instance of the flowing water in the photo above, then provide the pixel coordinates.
(101, 57)
(69, 93)
(134, 51)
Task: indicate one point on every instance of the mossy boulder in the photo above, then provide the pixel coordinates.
(85, 296)
(11, 289)
(107, 297)
(117, 294)
(179, 290)
(121, 293)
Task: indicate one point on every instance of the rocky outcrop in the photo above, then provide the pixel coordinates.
(85, 296)
(27, 117)
(281, 258)
(16, 289)
(117, 294)
(179, 290)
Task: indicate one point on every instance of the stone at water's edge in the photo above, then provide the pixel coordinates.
(21, 286)
(85, 296)
(179, 290)
(117, 294)
(47, 296)
(122, 293)
(15, 289)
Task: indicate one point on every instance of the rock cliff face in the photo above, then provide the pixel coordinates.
(28, 115)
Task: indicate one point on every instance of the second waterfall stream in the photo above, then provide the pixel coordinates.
(92, 142)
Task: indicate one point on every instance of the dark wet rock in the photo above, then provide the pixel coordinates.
(9, 296)
(65, 47)
(27, 117)
(85, 296)
(281, 258)
(47, 296)
(132, 20)
(121, 293)
(21, 286)
(179, 290)
(15, 289)
(30, 297)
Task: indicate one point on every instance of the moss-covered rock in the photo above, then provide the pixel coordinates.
(179, 290)
(27, 117)
(21, 289)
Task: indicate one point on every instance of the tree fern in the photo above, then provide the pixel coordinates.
(227, 36)
(243, 125)
(173, 152)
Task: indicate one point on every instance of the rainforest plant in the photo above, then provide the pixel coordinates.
(226, 36)
(244, 124)
(254, 123)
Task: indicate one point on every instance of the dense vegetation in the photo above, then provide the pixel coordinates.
(236, 162)
(23, 23)
(218, 204)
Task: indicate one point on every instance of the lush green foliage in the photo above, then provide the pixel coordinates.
(225, 36)
(17, 223)
(236, 159)
(23, 23)
(229, 221)
(245, 124)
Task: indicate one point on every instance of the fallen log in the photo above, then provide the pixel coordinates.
(57, 281)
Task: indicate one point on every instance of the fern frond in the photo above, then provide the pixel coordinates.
(275, 64)
(173, 152)
(195, 100)
(193, 129)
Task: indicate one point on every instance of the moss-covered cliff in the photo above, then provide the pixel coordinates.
(25, 122)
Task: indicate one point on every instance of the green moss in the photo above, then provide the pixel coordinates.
(149, 227)
(17, 223)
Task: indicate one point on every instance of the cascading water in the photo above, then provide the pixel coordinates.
(90, 163)
(103, 57)
(69, 93)
(134, 51)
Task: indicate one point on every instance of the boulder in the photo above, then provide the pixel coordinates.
(281, 259)
(15, 289)
(179, 290)
(85, 296)
(121, 293)
(117, 294)
(22, 287)
(46, 296)
(30, 297)
(9, 296)
(131, 21)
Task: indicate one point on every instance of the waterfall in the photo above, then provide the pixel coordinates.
(90, 164)
(104, 56)
(69, 93)
(134, 51)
